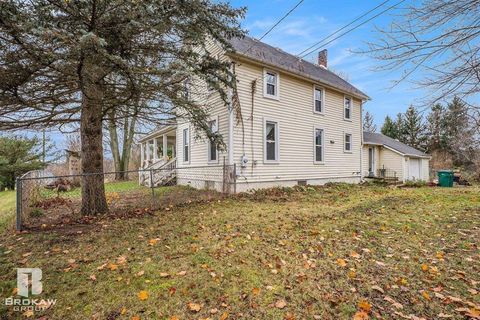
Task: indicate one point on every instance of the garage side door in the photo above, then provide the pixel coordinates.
(414, 169)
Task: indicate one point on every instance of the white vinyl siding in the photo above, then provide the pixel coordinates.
(318, 99)
(347, 108)
(271, 141)
(271, 84)
(318, 143)
(296, 125)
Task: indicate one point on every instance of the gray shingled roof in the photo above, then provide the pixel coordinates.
(380, 139)
(267, 54)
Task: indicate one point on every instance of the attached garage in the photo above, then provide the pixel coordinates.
(388, 158)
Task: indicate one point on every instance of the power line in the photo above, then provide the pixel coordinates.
(337, 31)
(277, 23)
(352, 29)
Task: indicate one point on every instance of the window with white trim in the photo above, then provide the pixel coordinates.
(318, 141)
(186, 145)
(347, 103)
(212, 147)
(318, 99)
(270, 84)
(271, 141)
(348, 142)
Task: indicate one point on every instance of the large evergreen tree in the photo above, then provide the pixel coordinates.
(413, 129)
(368, 124)
(389, 128)
(436, 128)
(64, 62)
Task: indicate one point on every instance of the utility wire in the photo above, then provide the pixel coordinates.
(352, 29)
(277, 23)
(345, 26)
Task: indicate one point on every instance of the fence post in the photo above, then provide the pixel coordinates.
(153, 188)
(19, 199)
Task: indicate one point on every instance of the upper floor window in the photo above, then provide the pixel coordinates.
(270, 84)
(186, 145)
(348, 142)
(318, 140)
(347, 103)
(318, 99)
(271, 141)
(212, 147)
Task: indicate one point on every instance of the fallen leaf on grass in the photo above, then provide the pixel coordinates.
(93, 277)
(355, 255)
(280, 304)
(378, 289)
(255, 291)
(361, 315)
(112, 266)
(140, 273)
(174, 318)
(341, 262)
(195, 307)
(164, 275)
(28, 314)
(393, 302)
(153, 242)
(424, 267)
(224, 316)
(181, 273)
(143, 295)
(426, 295)
(123, 311)
(443, 315)
(365, 306)
(135, 318)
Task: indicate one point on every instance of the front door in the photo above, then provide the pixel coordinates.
(371, 161)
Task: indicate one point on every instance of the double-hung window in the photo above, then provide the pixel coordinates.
(318, 142)
(186, 145)
(212, 147)
(348, 142)
(271, 141)
(271, 84)
(347, 103)
(318, 99)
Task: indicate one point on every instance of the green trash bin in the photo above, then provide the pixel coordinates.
(445, 178)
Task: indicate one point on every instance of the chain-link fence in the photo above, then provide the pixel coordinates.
(46, 201)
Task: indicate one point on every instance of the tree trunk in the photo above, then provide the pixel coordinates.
(114, 147)
(93, 188)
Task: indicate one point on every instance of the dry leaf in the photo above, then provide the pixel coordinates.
(140, 273)
(153, 242)
(424, 267)
(378, 289)
(224, 316)
(365, 306)
(443, 315)
(280, 304)
(174, 318)
(341, 262)
(393, 302)
(355, 255)
(164, 275)
(195, 307)
(143, 295)
(361, 315)
(112, 266)
(255, 291)
(181, 273)
(124, 311)
(135, 318)
(426, 295)
(28, 314)
(93, 277)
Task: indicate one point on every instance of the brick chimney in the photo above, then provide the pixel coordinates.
(322, 58)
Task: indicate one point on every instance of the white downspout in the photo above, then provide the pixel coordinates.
(361, 139)
(230, 126)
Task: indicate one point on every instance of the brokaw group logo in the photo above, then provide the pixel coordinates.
(29, 280)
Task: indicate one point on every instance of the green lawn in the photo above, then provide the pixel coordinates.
(7, 209)
(123, 186)
(326, 253)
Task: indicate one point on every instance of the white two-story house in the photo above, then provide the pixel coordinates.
(299, 123)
